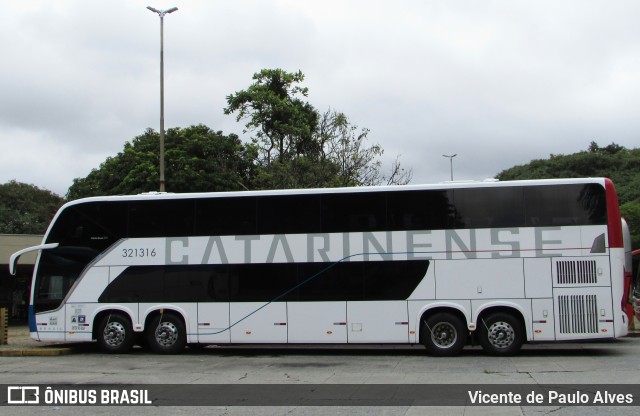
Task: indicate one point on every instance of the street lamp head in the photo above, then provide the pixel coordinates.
(161, 13)
(451, 163)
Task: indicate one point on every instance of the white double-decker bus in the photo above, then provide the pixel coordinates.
(445, 265)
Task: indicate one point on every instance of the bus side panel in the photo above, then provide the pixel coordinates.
(50, 325)
(317, 322)
(542, 322)
(90, 286)
(78, 321)
(378, 321)
(213, 323)
(426, 289)
(479, 279)
(258, 322)
(538, 277)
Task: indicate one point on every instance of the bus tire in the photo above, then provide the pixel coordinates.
(166, 334)
(501, 334)
(443, 334)
(115, 334)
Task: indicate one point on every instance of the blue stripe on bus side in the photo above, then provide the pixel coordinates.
(32, 320)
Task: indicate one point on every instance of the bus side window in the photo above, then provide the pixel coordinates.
(218, 289)
(174, 219)
(354, 212)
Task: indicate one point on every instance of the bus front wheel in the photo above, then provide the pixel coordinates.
(443, 334)
(501, 334)
(166, 334)
(115, 334)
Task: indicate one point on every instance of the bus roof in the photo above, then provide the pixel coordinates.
(319, 191)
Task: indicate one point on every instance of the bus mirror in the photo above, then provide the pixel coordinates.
(15, 256)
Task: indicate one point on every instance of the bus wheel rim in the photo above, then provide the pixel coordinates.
(444, 335)
(501, 334)
(166, 334)
(114, 334)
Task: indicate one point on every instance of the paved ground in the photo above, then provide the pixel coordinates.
(597, 363)
(20, 343)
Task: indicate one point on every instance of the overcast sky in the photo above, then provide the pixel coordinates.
(498, 83)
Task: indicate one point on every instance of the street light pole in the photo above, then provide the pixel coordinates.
(161, 13)
(451, 163)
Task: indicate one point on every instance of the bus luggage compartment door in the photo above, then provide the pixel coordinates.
(317, 322)
(213, 323)
(258, 322)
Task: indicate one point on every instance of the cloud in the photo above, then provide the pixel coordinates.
(499, 83)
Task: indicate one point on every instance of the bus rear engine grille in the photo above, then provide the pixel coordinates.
(578, 314)
(576, 272)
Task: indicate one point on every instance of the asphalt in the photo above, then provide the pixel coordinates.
(20, 344)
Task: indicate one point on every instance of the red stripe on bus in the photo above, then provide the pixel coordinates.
(613, 215)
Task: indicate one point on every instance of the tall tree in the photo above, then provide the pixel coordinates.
(197, 160)
(26, 209)
(299, 147)
(358, 164)
(272, 108)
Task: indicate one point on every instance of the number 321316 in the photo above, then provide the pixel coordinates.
(138, 252)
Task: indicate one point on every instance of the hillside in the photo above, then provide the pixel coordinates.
(613, 161)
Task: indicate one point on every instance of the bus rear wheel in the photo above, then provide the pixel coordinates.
(115, 334)
(166, 334)
(501, 334)
(443, 334)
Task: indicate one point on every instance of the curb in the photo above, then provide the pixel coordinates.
(20, 344)
(35, 352)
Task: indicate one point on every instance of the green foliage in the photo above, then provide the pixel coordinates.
(631, 213)
(298, 147)
(297, 173)
(613, 161)
(197, 159)
(293, 146)
(282, 121)
(26, 209)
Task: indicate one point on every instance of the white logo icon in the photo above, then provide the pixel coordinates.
(23, 394)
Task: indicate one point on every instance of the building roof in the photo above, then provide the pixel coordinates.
(10, 243)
